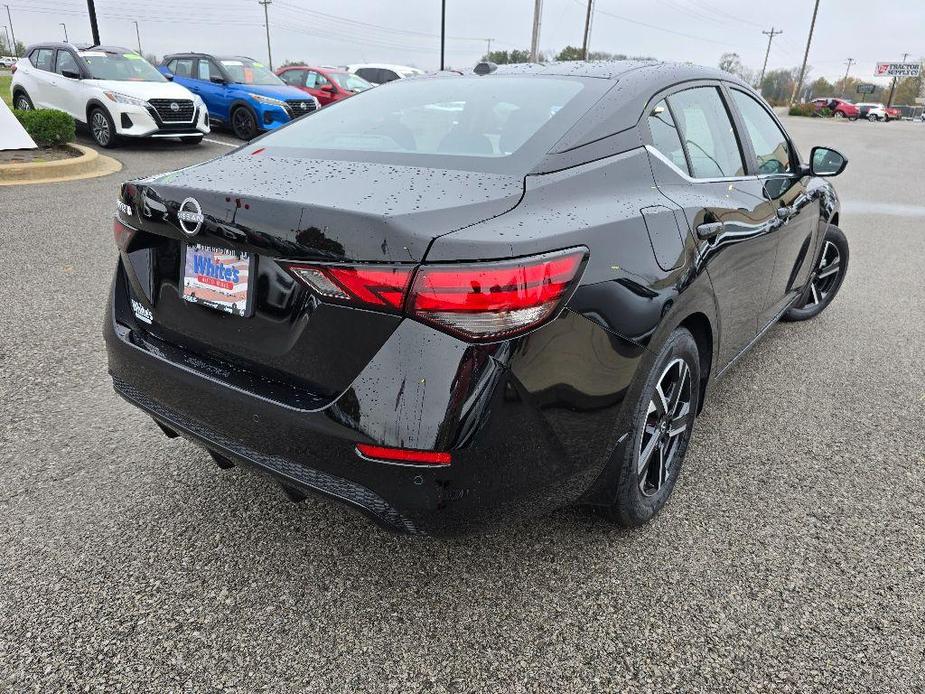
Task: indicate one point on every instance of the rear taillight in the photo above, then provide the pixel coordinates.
(490, 301)
(122, 233)
(479, 301)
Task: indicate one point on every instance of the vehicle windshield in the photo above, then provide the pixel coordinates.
(487, 118)
(353, 83)
(247, 71)
(123, 67)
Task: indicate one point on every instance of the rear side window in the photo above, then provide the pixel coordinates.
(387, 75)
(707, 132)
(665, 135)
(43, 59)
(768, 140)
(295, 78)
(370, 74)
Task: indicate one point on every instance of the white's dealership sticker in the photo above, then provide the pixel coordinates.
(141, 313)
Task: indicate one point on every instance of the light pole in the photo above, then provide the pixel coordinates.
(64, 26)
(266, 19)
(6, 33)
(137, 36)
(442, 33)
(12, 32)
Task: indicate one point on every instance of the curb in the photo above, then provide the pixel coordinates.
(89, 164)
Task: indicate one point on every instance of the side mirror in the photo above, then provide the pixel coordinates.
(70, 74)
(826, 162)
(168, 76)
(217, 80)
(328, 88)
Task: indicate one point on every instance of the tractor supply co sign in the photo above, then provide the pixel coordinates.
(898, 70)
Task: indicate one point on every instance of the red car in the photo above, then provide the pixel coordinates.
(325, 84)
(840, 108)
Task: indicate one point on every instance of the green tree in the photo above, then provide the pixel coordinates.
(907, 90)
(509, 57)
(570, 53)
(732, 63)
(5, 48)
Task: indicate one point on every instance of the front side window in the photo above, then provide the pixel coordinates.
(665, 135)
(247, 71)
(707, 132)
(66, 63)
(768, 140)
(43, 59)
(122, 67)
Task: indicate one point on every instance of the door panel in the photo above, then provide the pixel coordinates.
(215, 95)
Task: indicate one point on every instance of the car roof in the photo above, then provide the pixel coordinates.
(80, 48)
(383, 66)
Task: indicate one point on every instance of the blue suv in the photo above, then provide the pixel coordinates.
(240, 93)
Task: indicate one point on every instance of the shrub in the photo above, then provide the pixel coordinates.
(802, 110)
(47, 126)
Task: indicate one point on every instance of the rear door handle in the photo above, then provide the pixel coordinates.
(709, 230)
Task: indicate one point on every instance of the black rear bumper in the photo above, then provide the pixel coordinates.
(525, 434)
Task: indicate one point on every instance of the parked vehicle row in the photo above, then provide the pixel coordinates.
(7, 61)
(118, 94)
(876, 111)
(842, 108)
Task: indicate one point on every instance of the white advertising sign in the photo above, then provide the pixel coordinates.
(12, 134)
(898, 70)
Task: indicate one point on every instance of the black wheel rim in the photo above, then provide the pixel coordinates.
(243, 123)
(826, 276)
(667, 419)
(100, 127)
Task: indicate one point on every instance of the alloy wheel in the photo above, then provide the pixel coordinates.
(243, 124)
(100, 127)
(667, 418)
(22, 104)
(826, 276)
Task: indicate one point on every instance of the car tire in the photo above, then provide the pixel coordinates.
(102, 129)
(191, 140)
(244, 123)
(647, 467)
(872, 117)
(828, 274)
(22, 102)
(839, 115)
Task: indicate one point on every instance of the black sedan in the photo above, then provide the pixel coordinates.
(454, 299)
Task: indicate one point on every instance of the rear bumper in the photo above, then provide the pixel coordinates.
(528, 426)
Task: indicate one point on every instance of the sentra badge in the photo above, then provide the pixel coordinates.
(190, 217)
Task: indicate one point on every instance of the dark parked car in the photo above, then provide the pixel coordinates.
(451, 300)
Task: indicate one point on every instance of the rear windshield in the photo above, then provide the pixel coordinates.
(124, 67)
(484, 121)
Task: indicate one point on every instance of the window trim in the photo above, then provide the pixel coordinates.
(733, 115)
(54, 58)
(81, 69)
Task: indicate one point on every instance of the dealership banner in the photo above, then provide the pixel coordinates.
(898, 70)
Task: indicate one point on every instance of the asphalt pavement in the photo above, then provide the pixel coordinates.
(790, 559)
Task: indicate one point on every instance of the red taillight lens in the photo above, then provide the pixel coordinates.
(372, 285)
(490, 301)
(406, 456)
(479, 302)
(122, 233)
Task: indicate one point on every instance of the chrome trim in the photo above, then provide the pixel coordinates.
(687, 177)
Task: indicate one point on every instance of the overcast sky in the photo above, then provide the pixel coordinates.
(407, 31)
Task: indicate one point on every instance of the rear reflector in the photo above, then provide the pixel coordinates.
(490, 301)
(403, 455)
(123, 234)
(380, 286)
(478, 302)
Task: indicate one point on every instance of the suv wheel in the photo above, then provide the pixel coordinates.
(839, 114)
(102, 129)
(243, 123)
(826, 279)
(648, 466)
(22, 102)
(872, 117)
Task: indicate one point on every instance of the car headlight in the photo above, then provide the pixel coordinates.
(269, 101)
(125, 99)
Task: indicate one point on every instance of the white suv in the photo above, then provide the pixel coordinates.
(114, 91)
(380, 73)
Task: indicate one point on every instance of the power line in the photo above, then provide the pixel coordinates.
(266, 19)
(809, 40)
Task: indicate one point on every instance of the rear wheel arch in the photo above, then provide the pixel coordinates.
(699, 326)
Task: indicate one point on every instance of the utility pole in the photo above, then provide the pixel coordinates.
(12, 33)
(94, 27)
(488, 53)
(442, 33)
(535, 41)
(893, 86)
(584, 44)
(844, 83)
(770, 34)
(266, 19)
(137, 36)
(6, 33)
(809, 40)
(65, 30)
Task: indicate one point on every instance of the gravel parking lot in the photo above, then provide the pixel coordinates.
(789, 559)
